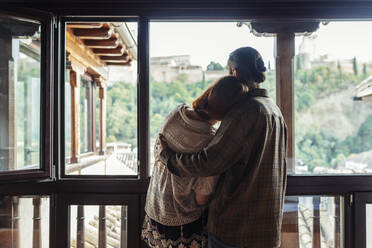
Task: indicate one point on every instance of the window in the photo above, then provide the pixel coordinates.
(24, 221)
(93, 225)
(187, 57)
(313, 221)
(101, 102)
(333, 114)
(20, 89)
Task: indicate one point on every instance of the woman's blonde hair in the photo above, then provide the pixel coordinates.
(217, 100)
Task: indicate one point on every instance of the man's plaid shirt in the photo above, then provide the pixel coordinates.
(249, 153)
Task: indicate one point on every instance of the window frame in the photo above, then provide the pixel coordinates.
(65, 200)
(142, 154)
(46, 85)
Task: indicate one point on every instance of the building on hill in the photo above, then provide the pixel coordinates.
(169, 68)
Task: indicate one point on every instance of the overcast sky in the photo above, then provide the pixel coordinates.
(206, 41)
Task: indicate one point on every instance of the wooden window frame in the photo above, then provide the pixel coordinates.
(66, 200)
(141, 92)
(46, 85)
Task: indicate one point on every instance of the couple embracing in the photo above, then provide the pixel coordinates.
(220, 188)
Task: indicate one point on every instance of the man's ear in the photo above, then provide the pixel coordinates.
(234, 72)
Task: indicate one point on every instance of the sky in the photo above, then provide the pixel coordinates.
(206, 41)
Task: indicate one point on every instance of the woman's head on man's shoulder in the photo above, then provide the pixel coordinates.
(247, 65)
(218, 98)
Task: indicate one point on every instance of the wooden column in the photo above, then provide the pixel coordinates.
(7, 104)
(316, 221)
(102, 120)
(75, 110)
(337, 222)
(80, 237)
(36, 238)
(290, 230)
(15, 227)
(6, 222)
(102, 227)
(285, 51)
(94, 116)
(123, 233)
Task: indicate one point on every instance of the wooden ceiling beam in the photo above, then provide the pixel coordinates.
(119, 63)
(86, 25)
(80, 54)
(109, 52)
(122, 58)
(113, 42)
(94, 33)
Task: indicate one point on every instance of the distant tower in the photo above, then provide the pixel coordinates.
(307, 50)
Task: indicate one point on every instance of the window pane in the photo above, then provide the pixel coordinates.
(19, 94)
(101, 102)
(187, 57)
(98, 226)
(24, 221)
(312, 221)
(333, 78)
(369, 225)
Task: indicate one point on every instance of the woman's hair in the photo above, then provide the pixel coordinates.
(248, 62)
(217, 100)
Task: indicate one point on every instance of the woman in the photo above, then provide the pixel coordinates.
(174, 205)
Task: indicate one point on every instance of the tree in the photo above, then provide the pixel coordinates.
(364, 69)
(339, 69)
(355, 66)
(298, 63)
(213, 66)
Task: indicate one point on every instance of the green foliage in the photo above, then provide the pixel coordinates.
(318, 83)
(166, 96)
(121, 122)
(364, 69)
(314, 146)
(355, 66)
(213, 66)
(298, 63)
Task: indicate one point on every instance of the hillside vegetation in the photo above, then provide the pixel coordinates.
(330, 125)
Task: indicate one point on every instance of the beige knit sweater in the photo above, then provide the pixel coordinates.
(171, 199)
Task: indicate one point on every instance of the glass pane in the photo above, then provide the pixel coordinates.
(24, 221)
(187, 57)
(20, 57)
(369, 225)
(312, 221)
(101, 77)
(98, 226)
(333, 78)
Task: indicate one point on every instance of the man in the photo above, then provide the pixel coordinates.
(249, 154)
